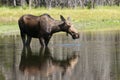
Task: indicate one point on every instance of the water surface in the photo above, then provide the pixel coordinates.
(95, 56)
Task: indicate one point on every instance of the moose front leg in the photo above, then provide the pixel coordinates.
(47, 39)
(42, 41)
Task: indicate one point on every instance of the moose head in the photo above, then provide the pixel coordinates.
(68, 27)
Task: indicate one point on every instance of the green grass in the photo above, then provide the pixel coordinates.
(99, 25)
(9, 29)
(99, 18)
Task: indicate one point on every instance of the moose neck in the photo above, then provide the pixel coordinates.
(56, 27)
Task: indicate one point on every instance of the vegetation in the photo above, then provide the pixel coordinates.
(84, 19)
(60, 3)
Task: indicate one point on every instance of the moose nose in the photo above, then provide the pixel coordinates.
(77, 35)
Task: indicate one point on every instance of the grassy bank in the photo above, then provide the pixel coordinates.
(94, 19)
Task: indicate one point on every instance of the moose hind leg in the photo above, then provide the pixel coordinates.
(28, 40)
(23, 37)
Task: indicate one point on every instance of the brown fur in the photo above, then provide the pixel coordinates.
(43, 27)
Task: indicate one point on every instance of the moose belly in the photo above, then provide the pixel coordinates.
(33, 33)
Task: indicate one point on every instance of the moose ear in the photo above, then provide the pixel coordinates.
(62, 18)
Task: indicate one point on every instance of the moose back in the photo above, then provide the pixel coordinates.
(43, 27)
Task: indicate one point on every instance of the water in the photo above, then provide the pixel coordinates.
(95, 56)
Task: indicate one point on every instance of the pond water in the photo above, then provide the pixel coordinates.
(95, 56)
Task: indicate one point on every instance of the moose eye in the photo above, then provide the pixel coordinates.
(72, 32)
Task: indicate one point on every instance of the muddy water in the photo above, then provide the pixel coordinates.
(95, 56)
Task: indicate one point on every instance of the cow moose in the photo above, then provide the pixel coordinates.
(43, 27)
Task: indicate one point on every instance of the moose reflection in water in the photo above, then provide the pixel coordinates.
(44, 64)
(43, 27)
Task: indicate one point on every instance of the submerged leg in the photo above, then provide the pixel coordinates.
(42, 51)
(28, 40)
